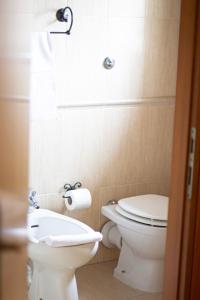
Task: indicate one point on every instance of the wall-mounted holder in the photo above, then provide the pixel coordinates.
(64, 15)
(69, 187)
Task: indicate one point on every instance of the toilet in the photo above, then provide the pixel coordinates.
(138, 228)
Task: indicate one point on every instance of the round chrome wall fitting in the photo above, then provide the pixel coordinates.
(108, 63)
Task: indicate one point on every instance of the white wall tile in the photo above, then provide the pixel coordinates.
(92, 8)
(17, 6)
(80, 75)
(44, 6)
(137, 34)
(15, 31)
(126, 45)
(127, 8)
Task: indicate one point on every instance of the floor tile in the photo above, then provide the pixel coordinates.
(95, 282)
(147, 296)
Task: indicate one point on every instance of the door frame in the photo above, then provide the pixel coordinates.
(182, 256)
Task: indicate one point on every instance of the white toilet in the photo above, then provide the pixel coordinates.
(58, 246)
(138, 227)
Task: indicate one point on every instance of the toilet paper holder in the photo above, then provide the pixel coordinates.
(70, 187)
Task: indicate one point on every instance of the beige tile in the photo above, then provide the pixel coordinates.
(120, 148)
(89, 216)
(137, 151)
(44, 154)
(52, 202)
(96, 282)
(107, 147)
(160, 59)
(148, 296)
(16, 79)
(80, 132)
(14, 146)
(159, 132)
(97, 141)
(106, 254)
(160, 188)
(115, 193)
(164, 9)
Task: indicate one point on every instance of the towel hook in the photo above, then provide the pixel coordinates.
(64, 15)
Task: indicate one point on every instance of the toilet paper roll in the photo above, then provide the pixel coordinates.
(78, 199)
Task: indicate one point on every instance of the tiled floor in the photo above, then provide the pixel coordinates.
(95, 282)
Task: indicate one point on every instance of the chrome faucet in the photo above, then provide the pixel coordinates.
(33, 199)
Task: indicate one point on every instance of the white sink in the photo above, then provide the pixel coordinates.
(58, 245)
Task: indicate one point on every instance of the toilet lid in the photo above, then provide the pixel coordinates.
(146, 221)
(153, 207)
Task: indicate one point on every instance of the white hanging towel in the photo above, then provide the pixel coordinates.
(43, 91)
(71, 239)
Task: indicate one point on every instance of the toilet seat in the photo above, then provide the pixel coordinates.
(146, 209)
(145, 221)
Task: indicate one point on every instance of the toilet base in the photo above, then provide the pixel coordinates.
(138, 272)
(48, 284)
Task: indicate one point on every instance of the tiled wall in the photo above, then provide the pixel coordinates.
(141, 35)
(122, 146)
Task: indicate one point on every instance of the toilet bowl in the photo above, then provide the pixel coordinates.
(58, 246)
(140, 223)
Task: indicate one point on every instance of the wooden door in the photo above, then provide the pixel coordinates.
(14, 106)
(183, 209)
(13, 198)
(191, 256)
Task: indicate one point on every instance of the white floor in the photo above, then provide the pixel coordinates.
(95, 282)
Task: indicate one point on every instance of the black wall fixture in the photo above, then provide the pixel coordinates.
(65, 15)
